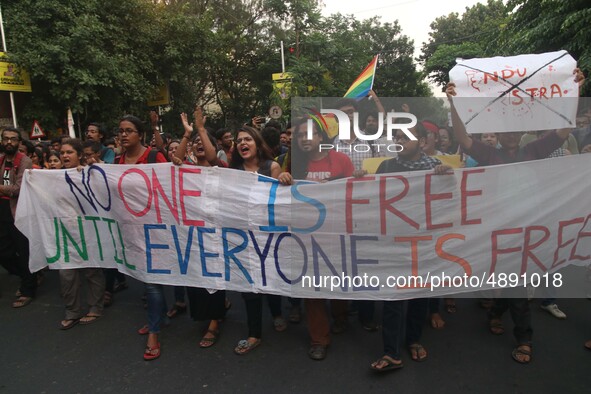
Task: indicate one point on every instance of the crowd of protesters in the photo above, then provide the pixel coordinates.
(268, 149)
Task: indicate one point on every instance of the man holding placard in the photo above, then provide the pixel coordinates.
(509, 152)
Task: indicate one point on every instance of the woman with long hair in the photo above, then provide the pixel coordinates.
(204, 306)
(54, 162)
(252, 154)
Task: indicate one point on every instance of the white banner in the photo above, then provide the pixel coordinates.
(517, 93)
(227, 229)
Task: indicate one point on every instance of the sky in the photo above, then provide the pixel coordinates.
(414, 16)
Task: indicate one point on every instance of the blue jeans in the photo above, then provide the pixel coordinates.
(156, 307)
(395, 321)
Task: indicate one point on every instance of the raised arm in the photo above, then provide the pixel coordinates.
(181, 150)
(377, 101)
(210, 150)
(460, 133)
(157, 137)
(580, 79)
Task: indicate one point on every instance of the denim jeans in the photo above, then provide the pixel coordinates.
(395, 320)
(156, 307)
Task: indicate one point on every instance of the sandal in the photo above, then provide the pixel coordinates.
(280, 324)
(522, 350)
(389, 364)
(69, 323)
(22, 301)
(244, 346)
(89, 319)
(450, 305)
(107, 299)
(145, 330)
(209, 341)
(152, 353)
(176, 310)
(417, 352)
(496, 326)
(437, 321)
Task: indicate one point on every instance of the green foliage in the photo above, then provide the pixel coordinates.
(106, 58)
(79, 51)
(519, 27)
(550, 25)
(475, 34)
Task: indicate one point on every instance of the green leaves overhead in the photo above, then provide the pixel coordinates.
(105, 58)
(519, 27)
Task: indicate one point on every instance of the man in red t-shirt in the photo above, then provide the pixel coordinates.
(311, 163)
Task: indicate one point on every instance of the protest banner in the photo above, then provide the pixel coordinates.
(517, 93)
(227, 229)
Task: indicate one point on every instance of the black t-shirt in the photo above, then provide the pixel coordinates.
(5, 212)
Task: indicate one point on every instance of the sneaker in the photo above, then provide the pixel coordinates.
(554, 311)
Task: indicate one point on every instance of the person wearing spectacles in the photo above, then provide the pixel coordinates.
(14, 246)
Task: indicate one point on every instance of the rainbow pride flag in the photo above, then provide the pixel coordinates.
(364, 82)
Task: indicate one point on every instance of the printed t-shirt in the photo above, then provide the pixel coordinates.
(335, 165)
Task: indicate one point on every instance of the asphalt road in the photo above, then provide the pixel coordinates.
(106, 357)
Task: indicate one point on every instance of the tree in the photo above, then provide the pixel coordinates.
(477, 33)
(551, 25)
(80, 54)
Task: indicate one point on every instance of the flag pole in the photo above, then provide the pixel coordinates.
(14, 121)
(375, 65)
(282, 59)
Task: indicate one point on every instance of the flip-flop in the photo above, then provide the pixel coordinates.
(21, 302)
(92, 319)
(209, 342)
(176, 310)
(245, 347)
(152, 353)
(415, 350)
(496, 327)
(70, 323)
(437, 321)
(390, 366)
